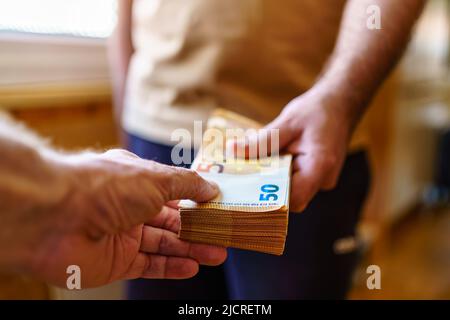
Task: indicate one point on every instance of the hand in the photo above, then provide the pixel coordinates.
(115, 221)
(316, 130)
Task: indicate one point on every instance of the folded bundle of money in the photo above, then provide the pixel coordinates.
(251, 211)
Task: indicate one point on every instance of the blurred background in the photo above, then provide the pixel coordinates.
(54, 77)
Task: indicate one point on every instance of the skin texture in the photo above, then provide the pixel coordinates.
(112, 214)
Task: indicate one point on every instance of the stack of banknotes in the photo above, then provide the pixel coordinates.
(251, 211)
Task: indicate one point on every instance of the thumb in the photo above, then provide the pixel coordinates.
(188, 184)
(262, 143)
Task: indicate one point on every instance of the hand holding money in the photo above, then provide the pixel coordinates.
(315, 128)
(107, 215)
(251, 211)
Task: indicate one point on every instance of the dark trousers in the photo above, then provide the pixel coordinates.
(313, 265)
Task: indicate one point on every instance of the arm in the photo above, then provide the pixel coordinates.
(316, 127)
(105, 212)
(120, 51)
(363, 58)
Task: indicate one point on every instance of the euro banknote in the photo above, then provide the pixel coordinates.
(251, 210)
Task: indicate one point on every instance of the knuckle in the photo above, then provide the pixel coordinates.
(195, 176)
(175, 181)
(120, 153)
(164, 242)
(199, 183)
(195, 180)
(190, 175)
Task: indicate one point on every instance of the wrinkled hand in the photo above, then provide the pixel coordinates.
(316, 131)
(116, 221)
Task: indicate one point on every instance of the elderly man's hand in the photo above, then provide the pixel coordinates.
(114, 217)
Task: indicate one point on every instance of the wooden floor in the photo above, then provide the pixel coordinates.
(414, 260)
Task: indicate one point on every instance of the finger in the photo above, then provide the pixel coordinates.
(182, 183)
(262, 143)
(335, 164)
(164, 242)
(310, 171)
(162, 267)
(168, 219)
(152, 266)
(173, 204)
(332, 178)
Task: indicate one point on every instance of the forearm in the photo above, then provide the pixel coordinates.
(29, 190)
(120, 52)
(363, 58)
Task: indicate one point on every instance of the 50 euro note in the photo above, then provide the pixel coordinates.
(251, 211)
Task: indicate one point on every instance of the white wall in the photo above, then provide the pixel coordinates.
(28, 59)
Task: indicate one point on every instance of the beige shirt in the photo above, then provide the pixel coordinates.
(249, 56)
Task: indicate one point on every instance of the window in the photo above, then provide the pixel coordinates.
(82, 18)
